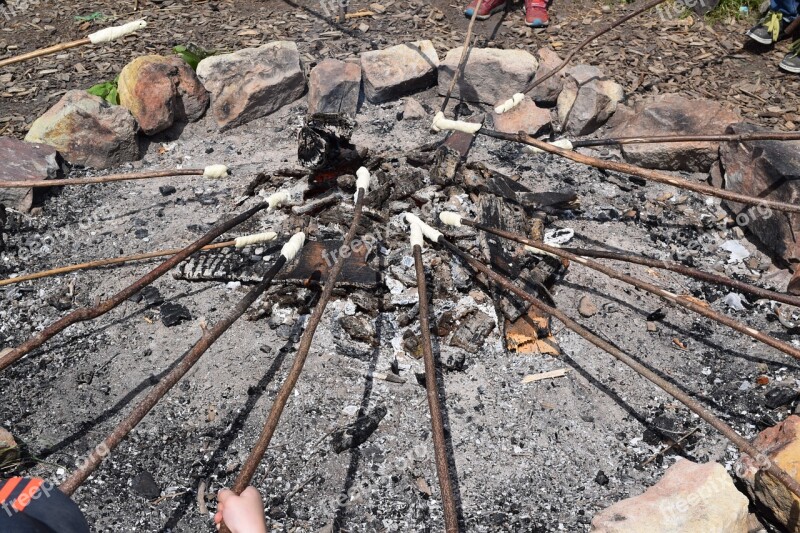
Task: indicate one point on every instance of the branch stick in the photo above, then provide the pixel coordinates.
(742, 137)
(647, 174)
(672, 390)
(189, 359)
(464, 54)
(102, 179)
(89, 313)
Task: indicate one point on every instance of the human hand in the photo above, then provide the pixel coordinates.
(241, 514)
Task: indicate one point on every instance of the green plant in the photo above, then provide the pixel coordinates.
(108, 91)
(193, 54)
(90, 18)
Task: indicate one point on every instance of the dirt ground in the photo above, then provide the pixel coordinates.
(543, 456)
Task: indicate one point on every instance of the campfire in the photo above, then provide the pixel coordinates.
(433, 265)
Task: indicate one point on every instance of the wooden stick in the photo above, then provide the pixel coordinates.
(647, 174)
(714, 421)
(189, 359)
(89, 313)
(434, 402)
(644, 7)
(44, 52)
(463, 60)
(102, 179)
(742, 137)
(99, 37)
(106, 262)
(640, 284)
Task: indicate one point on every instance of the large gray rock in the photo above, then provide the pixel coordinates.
(399, 70)
(159, 91)
(490, 74)
(88, 131)
(252, 83)
(690, 497)
(671, 114)
(334, 87)
(768, 169)
(587, 100)
(547, 93)
(24, 161)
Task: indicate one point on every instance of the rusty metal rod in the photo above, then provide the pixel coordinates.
(741, 137)
(89, 313)
(260, 448)
(102, 179)
(649, 287)
(688, 271)
(437, 423)
(189, 359)
(463, 59)
(727, 431)
(647, 174)
(106, 262)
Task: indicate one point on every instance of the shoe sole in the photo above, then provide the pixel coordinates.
(788, 68)
(486, 17)
(758, 39)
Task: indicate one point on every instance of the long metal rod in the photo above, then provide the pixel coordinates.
(102, 179)
(106, 262)
(727, 431)
(688, 271)
(741, 137)
(649, 287)
(260, 448)
(437, 423)
(89, 313)
(644, 173)
(209, 337)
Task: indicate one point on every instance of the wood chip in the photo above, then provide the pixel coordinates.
(560, 373)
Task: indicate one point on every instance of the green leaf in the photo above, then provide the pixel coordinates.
(108, 91)
(193, 54)
(90, 18)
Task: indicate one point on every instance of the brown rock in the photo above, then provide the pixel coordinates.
(587, 100)
(252, 83)
(547, 93)
(24, 161)
(780, 445)
(690, 497)
(490, 75)
(413, 110)
(9, 452)
(586, 307)
(526, 116)
(334, 87)
(88, 131)
(160, 91)
(768, 169)
(671, 114)
(399, 70)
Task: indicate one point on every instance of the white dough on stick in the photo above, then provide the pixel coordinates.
(116, 32)
(450, 218)
(256, 238)
(430, 233)
(566, 144)
(442, 124)
(290, 249)
(509, 104)
(215, 171)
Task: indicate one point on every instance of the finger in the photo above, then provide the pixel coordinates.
(223, 495)
(252, 495)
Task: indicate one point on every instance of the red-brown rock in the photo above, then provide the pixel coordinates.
(526, 116)
(780, 445)
(671, 114)
(24, 161)
(160, 91)
(547, 93)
